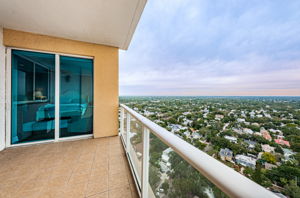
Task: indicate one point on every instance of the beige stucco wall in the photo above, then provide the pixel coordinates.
(105, 72)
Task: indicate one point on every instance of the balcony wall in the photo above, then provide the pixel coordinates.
(105, 72)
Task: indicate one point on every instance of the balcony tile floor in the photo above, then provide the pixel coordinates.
(93, 168)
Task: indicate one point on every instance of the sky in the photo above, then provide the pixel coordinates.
(214, 48)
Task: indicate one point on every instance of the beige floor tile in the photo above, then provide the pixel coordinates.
(123, 192)
(100, 195)
(117, 168)
(134, 192)
(75, 190)
(79, 178)
(117, 180)
(51, 192)
(57, 181)
(66, 169)
(26, 194)
(95, 188)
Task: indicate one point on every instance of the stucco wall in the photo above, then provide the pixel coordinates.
(2, 91)
(105, 72)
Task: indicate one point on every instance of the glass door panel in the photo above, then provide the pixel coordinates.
(76, 96)
(33, 96)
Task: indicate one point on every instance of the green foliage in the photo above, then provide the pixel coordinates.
(268, 157)
(165, 186)
(285, 172)
(292, 189)
(199, 145)
(154, 176)
(188, 182)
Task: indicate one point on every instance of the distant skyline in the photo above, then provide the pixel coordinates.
(214, 48)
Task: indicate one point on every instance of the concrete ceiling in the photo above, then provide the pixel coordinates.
(108, 22)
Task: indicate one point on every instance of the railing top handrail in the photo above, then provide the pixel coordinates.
(228, 180)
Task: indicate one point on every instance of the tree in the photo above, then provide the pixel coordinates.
(292, 189)
(283, 173)
(268, 157)
(165, 186)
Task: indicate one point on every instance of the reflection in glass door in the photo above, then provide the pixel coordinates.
(76, 96)
(33, 96)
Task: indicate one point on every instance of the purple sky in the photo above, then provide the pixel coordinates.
(208, 47)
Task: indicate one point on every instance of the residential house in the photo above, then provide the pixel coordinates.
(231, 138)
(251, 144)
(247, 131)
(269, 166)
(287, 153)
(267, 148)
(240, 120)
(219, 117)
(265, 134)
(245, 161)
(282, 142)
(226, 154)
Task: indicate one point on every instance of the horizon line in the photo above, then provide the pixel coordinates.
(208, 96)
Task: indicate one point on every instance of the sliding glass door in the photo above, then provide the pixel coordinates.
(76, 96)
(33, 96)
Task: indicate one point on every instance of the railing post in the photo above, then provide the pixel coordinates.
(127, 131)
(122, 122)
(145, 174)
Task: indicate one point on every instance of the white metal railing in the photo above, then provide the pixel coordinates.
(225, 178)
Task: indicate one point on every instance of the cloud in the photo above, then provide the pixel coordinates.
(214, 48)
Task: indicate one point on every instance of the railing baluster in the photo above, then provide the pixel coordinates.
(122, 122)
(145, 174)
(127, 131)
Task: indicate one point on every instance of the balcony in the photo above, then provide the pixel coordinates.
(85, 168)
(145, 161)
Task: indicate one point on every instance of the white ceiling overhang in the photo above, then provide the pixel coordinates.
(107, 22)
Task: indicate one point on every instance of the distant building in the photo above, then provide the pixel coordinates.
(148, 113)
(231, 138)
(239, 131)
(267, 148)
(255, 124)
(186, 113)
(240, 120)
(248, 131)
(269, 166)
(265, 134)
(196, 135)
(276, 131)
(164, 163)
(287, 153)
(251, 144)
(282, 142)
(187, 122)
(226, 154)
(187, 133)
(247, 123)
(258, 134)
(176, 127)
(245, 161)
(219, 117)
